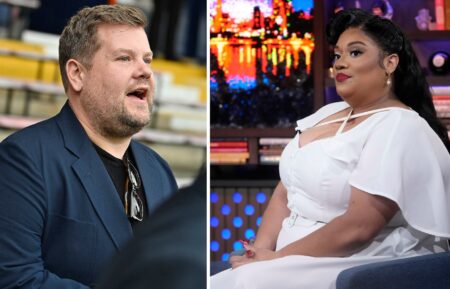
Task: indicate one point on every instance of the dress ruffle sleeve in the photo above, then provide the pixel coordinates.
(405, 161)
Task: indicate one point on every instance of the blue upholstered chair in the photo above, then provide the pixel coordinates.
(423, 272)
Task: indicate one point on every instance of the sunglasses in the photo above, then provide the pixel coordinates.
(134, 207)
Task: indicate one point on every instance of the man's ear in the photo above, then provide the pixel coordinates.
(391, 62)
(75, 74)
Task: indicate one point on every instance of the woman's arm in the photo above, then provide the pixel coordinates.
(273, 217)
(270, 227)
(365, 217)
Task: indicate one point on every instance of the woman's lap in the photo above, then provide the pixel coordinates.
(299, 272)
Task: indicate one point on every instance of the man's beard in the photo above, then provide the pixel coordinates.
(124, 124)
(114, 120)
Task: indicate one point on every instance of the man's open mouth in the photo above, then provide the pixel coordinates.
(140, 93)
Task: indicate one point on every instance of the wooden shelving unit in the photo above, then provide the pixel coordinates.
(252, 136)
(418, 35)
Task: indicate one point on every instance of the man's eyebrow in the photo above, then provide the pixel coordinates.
(130, 51)
(123, 50)
(353, 43)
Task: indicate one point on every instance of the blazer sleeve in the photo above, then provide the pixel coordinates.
(22, 221)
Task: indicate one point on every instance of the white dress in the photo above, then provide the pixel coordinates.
(392, 153)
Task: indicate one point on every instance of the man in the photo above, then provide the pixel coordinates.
(169, 250)
(73, 187)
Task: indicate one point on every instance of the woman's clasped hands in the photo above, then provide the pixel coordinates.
(252, 254)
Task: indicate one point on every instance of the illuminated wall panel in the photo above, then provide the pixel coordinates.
(235, 215)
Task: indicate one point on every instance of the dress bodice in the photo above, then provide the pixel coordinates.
(381, 155)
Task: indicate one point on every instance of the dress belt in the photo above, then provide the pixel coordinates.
(295, 217)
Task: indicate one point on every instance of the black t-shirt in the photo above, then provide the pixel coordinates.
(117, 170)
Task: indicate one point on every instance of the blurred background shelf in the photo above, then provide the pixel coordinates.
(30, 82)
(31, 90)
(418, 35)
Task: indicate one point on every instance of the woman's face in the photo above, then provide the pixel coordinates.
(358, 74)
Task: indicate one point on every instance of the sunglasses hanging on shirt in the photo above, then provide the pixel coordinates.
(134, 207)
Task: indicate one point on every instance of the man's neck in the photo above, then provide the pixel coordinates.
(114, 146)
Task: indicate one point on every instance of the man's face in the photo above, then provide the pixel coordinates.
(118, 89)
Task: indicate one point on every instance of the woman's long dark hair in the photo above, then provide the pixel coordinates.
(409, 84)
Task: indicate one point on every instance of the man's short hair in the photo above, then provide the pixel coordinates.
(79, 38)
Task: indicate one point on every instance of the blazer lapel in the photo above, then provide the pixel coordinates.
(102, 193)
(95, 179)
(150, 176)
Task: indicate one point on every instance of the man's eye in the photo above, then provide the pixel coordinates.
(124, 58)
(148, 60)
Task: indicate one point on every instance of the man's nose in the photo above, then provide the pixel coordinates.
(144, 70)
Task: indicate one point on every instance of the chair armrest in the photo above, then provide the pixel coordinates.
(430, 271)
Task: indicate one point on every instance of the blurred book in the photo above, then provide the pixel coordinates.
(273, 141)
(270, 149)
(229, 152)
(442, 105)
(440, 90)
(447, 14)
(269, 159)
(440, 14)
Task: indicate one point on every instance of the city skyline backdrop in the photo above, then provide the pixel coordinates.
(245, 11)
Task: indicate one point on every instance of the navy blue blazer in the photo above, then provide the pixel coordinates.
(61, 218)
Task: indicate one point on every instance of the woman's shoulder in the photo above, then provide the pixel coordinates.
(403, 127)
(400, 120)
(320, 114)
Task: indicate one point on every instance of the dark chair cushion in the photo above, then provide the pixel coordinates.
(423, 272)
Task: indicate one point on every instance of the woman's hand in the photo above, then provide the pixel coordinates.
(253, 255)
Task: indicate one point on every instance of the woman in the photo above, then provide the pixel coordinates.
(367, 180)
